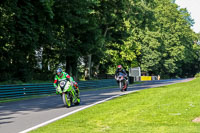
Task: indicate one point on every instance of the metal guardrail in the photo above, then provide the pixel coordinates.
(22, 91)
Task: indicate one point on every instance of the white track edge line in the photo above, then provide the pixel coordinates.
(62, 116)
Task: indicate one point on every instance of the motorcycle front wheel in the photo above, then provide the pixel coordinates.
(126, 83)
(120, 86)
(66, 100)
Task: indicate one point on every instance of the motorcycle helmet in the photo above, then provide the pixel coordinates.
(59, 72)
(119, 67)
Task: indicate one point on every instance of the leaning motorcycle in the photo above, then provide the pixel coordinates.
(123, 83)
(69, 96)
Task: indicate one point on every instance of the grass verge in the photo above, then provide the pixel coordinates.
(167, 109)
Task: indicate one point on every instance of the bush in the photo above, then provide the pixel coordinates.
(197, 75)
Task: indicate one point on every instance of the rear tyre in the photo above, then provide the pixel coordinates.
(78, 101)
(120, 86)
(125, 89)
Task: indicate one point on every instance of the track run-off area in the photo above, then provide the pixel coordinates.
(26, 115)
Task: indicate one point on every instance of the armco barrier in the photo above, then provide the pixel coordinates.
(20, 91)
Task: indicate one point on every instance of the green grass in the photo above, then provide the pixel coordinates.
(168, 109)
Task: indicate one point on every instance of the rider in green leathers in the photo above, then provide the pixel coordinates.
(63, 75)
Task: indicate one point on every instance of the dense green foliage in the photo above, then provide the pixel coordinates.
(93, 36)
(197, 75)
(166, 109)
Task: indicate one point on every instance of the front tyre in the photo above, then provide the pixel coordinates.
(126, 83)
(66, 100)
(120, 86)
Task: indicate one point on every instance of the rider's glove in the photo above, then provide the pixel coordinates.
(56, 90)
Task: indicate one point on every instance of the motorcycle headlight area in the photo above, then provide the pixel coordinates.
(62, 83)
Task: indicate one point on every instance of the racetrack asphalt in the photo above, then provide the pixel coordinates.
(21, 115)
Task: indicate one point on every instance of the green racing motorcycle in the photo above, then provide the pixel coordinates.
(69, 95)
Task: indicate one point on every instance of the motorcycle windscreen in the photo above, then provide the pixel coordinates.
(67, 87)
(62, 84)
(121, 74)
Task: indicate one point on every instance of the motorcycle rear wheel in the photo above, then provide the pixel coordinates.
(78, 101)
(125, 83)
(125, 89)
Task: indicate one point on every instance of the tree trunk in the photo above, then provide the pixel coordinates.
(89, 65)
(71, 67)
(44, 60)
(68, 66)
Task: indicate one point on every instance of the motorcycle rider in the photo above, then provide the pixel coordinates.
(63, 75)
(118, 70)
